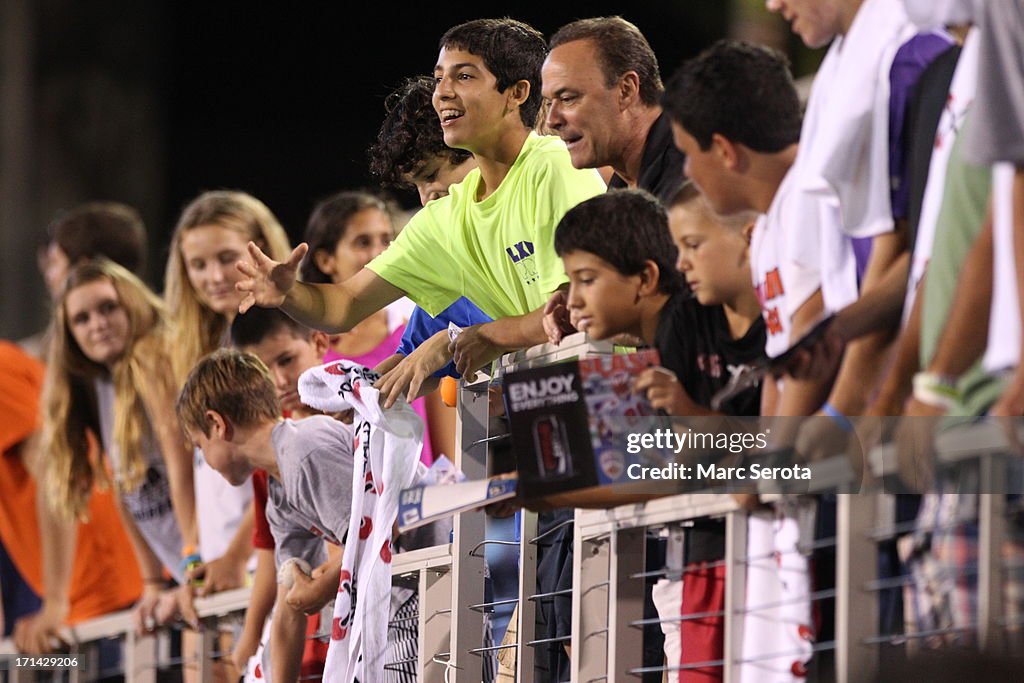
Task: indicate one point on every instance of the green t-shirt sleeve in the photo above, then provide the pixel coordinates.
(417, 262)
(561, 187)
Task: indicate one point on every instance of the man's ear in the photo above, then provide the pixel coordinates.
(629, 89)
(219, 426)
(518, 93)
(728, 152)
(320, 342)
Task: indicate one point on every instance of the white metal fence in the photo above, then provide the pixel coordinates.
(609, 571)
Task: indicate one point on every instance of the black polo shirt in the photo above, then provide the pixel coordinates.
(661, 167)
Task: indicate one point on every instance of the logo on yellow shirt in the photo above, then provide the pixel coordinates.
(521, 254)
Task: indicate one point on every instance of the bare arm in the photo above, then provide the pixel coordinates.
(152, 574)
(228, 570)
(414, 372)
(331, 308)
(965, 335)
(480, 344)
(339, 308)
(177, 455)
(898, 383)
(33, 634)
(287, 634)
(261, 602)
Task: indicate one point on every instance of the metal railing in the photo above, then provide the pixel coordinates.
(609, 569)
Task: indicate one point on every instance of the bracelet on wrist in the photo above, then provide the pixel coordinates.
(189, 562)
(839, 418)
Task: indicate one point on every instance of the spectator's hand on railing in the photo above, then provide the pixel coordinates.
(665, 392)
(185, 596)
(412, 371)
(556, 317)
(144, 615)
(874, 428)
(1009, 405)
(471, 350)
(309, 594)
(222, 574)
(267, 282)
(1011, 402)
(36, 634)
(821, 437)
(168, 608)
(915, 444)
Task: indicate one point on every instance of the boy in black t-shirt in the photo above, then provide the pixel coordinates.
(619, 255)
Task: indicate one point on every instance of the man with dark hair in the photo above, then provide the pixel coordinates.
(601, 78)
(491, 239)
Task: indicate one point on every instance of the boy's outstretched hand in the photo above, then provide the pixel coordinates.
(267, 282)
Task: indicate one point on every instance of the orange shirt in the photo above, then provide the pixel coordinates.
(105, 576)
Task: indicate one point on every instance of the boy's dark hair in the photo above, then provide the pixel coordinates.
(256, 324)
(108, 229)
(410, 134)
(621, 47)
(626, 228)
(512, 50)
(327, 225)
(741, 91)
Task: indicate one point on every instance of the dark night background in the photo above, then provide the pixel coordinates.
(286, 105)
(151, 103)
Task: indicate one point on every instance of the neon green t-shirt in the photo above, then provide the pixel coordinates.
(498, 253)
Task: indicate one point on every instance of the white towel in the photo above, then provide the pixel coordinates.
(778, 634)
(847, 153)
(388, 444)
(951, 122)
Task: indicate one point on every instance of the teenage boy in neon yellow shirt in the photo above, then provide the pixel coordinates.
(492, 238)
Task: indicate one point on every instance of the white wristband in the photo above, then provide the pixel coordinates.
(936, 390)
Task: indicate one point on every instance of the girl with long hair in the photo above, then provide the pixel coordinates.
(211, 236)
(106, 381)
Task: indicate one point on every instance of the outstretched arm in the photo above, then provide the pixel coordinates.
(331, 308)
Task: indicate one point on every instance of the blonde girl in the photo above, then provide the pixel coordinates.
(106, 379)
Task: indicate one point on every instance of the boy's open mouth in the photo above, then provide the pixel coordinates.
(449, 115)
